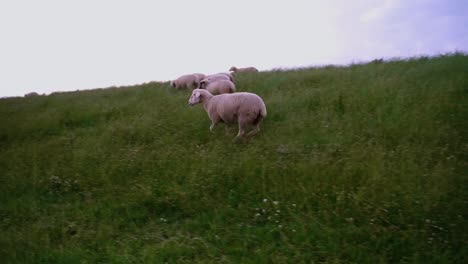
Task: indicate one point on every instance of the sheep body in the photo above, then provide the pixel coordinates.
(221, 87)
(247, 69)
(245, 109)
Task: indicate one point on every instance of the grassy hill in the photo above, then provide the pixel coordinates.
(363, 164)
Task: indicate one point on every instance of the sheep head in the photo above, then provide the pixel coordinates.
(195, 98)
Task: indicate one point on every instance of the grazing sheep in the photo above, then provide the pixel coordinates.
(245, 109)
(248, 69)
(219, 87)
(199, 76)
(214, 77)
(227, 74)
(189, 81)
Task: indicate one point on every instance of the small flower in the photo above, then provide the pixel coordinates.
(265, 200)
(293, 205)
(294, 230)
(257, 214)
(278, 211)
(275, 202)
(280, 226)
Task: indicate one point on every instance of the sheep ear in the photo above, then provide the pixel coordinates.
(197, 94)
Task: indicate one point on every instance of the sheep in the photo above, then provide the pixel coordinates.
(199, 76)
(247, 69)
(189, 81)
(227, 74)
(245, 109)
(214, 77)
(219, 87)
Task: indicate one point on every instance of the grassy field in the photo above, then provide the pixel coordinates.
(360, 164)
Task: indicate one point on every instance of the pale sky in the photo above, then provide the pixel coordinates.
(60, 45)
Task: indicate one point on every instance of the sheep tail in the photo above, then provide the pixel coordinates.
(260, 115)
(263, 111)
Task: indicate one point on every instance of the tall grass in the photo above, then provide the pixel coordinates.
(363, 164)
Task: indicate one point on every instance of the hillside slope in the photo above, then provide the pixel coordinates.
(364, 164)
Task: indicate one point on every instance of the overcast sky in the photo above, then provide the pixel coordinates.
(61, 45)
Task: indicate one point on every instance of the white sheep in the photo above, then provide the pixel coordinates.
(247, 69)
(199, 77)
(245, 109)
(219, 87)
(227, 74)
(189, 81)
(214, 77)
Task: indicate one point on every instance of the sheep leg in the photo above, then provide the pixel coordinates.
(212, 127)
(256, 125)
(241, 132)
(255, 130)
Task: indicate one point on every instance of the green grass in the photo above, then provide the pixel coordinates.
(359, 164)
